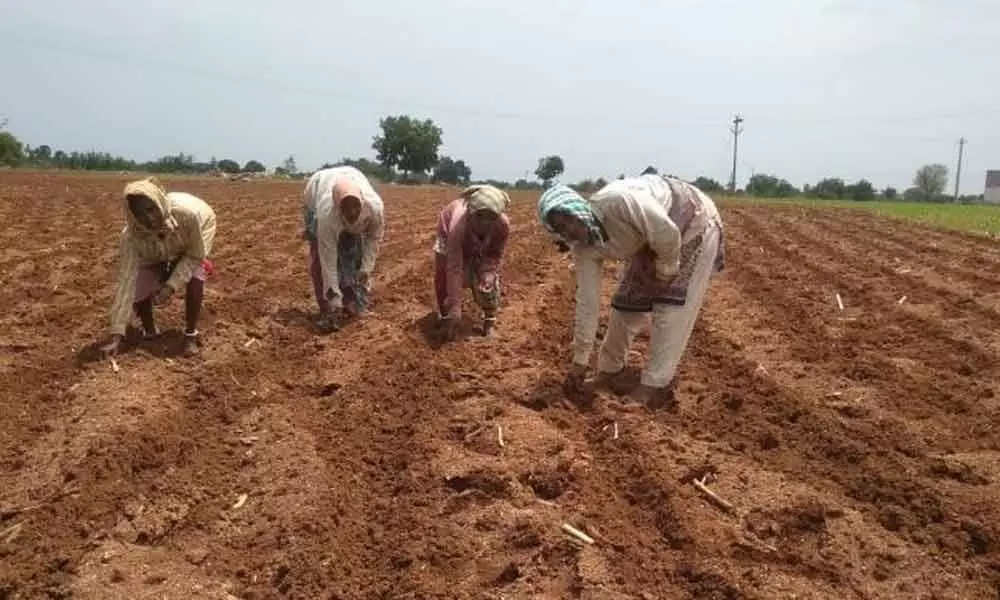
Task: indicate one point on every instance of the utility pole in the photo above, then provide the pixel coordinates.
(737, 129)
(958, 171)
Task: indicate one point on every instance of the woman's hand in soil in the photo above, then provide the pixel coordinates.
(449, 329)
(163, 296)
(575, 379)
(111, 348)
(328, 322)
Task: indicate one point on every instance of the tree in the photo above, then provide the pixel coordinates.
(549, 168)
(707, 185)
(769, 186)
(254, 166)
(42, 153)
(861, 191)
(451, 171)
(931, 180)
(407, 144)
(890, 193)
(230, 166)
(11, 149)
(828, 189)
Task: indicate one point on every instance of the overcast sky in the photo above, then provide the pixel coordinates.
(848, 88)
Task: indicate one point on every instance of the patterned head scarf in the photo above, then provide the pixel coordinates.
(563, 199)
(149, 188)
(486, 197)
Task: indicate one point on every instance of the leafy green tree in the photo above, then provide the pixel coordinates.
(549, 168)
(254, 166)
(40, 154)
(707, 185)
(931, 180)
(407, 144)
(230, 166)
(451, 171)
(862, 191)
(769, 186)
(11, 149)
(830, 188)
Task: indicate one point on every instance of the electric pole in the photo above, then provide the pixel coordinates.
(737, 130)
(958, 171)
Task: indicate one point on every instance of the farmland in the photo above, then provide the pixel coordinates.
(858, 447)
(976, 218)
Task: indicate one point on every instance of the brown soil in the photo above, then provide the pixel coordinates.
(858, 446)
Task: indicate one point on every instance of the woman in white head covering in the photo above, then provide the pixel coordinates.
(165, 246)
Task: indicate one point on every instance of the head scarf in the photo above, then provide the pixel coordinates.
(486, 197)
(563, 199)
(347, 187)
(149, 188)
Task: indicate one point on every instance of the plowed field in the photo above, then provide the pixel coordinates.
(859, 446)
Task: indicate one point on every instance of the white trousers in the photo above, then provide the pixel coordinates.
(672, 325)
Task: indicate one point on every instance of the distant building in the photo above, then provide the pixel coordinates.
(992, 193)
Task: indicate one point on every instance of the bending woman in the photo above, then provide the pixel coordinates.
(344, 225)
(165, 247)
(471, 240)
(671, 234)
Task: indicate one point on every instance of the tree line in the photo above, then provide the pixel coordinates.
(407, 151)
(928, 185)
(13, 153)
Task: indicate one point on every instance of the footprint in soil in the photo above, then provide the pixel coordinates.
(702, 584)
(428, 327)
(548, 485)
(550, 392)
(485, 482)
(293, 317)
(169, 344)
(525, 534)
(327, 390)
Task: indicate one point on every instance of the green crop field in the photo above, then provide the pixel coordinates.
(974, 218)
